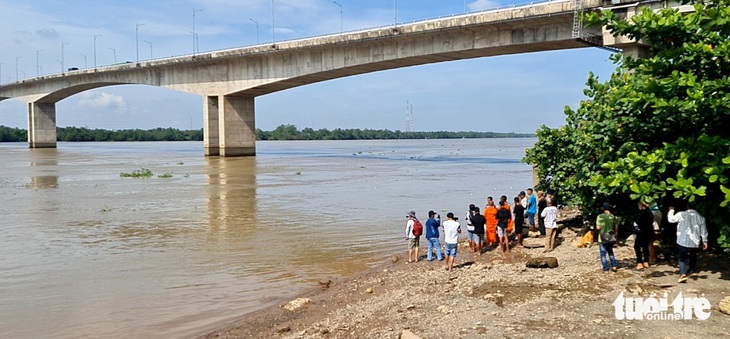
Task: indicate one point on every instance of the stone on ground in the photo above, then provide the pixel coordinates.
(548, 262)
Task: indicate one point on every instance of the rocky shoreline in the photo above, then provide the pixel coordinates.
(496, 295)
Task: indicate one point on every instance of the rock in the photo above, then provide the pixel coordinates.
(394, 259)
(481, 330)
(283, 329)
(410, 307)
(443, 309)
(533, 242)
(545, 262)
(597, 321)
(325, 283)
(406, 334)
(369, 290)
(725, 305)
(297, 304)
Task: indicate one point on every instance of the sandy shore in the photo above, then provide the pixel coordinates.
(496, 295)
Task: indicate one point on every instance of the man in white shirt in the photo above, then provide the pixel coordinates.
(550, 213)
(691, 229)
(452, 228)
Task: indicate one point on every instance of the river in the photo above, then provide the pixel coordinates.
(87, 253)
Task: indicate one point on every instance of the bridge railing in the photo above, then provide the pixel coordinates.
(266, 44)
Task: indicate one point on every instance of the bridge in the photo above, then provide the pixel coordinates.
(229, 80)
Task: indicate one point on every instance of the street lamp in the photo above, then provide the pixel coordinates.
(273, 35)
(84, 55)
(338, 4)
(195, 36)
(37, 66)
(62, 57)
(95, 36)
(257, 29)
(16, 68)
(150, 43)
(136, 38)
(395, 14)
(115, 54)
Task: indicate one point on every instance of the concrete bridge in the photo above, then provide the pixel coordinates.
(229, 80)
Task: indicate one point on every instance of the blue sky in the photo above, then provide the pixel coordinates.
(514, 93)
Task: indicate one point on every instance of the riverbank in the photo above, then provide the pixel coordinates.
(495, 295)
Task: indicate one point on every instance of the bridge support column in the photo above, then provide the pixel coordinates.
(211, 141)
(237, 126)
(42, 125)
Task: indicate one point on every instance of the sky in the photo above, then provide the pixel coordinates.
(512, 93)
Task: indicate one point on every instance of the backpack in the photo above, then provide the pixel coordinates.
(417, 228)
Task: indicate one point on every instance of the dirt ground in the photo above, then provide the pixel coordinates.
(496, 296)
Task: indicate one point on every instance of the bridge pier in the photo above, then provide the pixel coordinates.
(229, 126)
(42, 125)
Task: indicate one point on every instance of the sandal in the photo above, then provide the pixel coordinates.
(682, 278)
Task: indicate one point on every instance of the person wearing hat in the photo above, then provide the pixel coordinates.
(606, 224)
(452, 228)
(413, 240)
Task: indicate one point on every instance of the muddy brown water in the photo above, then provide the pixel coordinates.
(86, 253)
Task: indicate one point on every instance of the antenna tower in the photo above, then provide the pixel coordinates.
(409, 117)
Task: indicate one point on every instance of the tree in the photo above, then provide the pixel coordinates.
(659, 128)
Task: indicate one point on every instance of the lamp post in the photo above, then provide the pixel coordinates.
(115, 54)
(150, 43)
(136, 38)
(338, 4)
(195, 37)
(62, 56)
(257, 29)
(395, 14)
(273, 35)
(84, 55)
(16, 68)
(37, 65)
(95, 36)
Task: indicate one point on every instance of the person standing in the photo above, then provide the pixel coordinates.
(657, 224)
(531, 209)
(541, 205)
(606, 224)
(691, 230)
(519, 213)
(412, 236)
(470, 228)
(452, 228)
(644, 229)
(479, 224)
(550, 219)
(432, 236)
(490, 215)
(503, 218)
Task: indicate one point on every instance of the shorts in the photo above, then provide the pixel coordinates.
(471, 235)
(478, 238)
(502, 232)
(413, 242)
(531, 218)
(450, 250)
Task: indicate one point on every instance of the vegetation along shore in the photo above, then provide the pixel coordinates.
(283, 132)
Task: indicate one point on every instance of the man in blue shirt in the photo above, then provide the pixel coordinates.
(432, 236)
(531, 209)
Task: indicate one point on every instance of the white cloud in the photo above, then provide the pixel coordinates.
(480, 5)
(102, 100)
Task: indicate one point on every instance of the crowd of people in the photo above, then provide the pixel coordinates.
(492, 228)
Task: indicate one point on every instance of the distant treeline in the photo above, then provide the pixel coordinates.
(283, 132)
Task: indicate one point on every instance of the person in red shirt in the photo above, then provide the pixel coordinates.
(490, 213)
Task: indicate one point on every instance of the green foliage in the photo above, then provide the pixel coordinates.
(283, 132)
(165, 175)
(290, 132)
(659, 129)
(140, 173)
